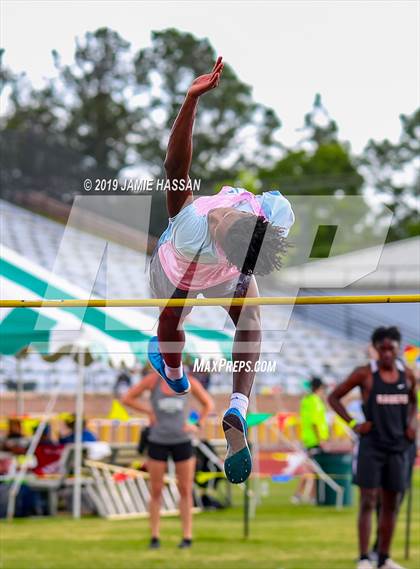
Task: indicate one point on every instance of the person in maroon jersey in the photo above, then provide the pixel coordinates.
(388, 392)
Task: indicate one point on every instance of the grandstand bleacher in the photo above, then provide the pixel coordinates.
(309, 346)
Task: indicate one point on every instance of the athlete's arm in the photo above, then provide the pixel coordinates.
(132, 397)
(198, 391)
(356, 379)
(411, 430)
(179, 152)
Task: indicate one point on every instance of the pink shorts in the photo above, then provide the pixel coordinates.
(162, 287)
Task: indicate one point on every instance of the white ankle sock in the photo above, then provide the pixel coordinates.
(240, 402)
(174, 372)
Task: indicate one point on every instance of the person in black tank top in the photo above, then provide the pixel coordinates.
(385, 439)
(392, 420)
(387, 408)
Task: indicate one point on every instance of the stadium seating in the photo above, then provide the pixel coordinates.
(305, 349)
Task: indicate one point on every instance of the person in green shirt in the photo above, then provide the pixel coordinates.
(313, 417)
(314, 433)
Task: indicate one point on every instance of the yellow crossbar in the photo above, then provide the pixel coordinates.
(177, 302)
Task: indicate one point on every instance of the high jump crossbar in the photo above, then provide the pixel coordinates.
(179, 302)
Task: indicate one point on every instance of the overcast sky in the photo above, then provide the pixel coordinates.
(363, 57)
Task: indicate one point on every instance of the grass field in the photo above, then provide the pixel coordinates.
(282, 537)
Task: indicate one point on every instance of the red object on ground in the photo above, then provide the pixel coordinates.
(48, 457)
(120, 477)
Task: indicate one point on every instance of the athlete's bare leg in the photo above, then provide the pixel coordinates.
(368, 498)
(247, 341)
(171, 335)
(387, 519)
(157, 469)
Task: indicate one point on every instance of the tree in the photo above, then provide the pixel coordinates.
(29, 143)
(97, 88)
(115, 109)
(320, 165)
(6, 75)
(392, 170)
(29, 109)
(77, 126)
(85, 108)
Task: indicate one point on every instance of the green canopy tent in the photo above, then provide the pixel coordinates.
(115, 334)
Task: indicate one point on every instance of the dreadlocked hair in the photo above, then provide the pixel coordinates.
(250, 256)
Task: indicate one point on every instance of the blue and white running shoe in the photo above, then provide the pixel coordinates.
(238, 461)
(180, 386)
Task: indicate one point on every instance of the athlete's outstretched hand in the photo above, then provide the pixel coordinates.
(206, 82)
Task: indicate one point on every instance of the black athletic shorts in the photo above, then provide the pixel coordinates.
(178, 452)
(379, 468)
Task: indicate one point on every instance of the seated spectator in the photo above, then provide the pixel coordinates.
(15, 442)
(47, 453)
(87, 436)
(96, 450)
